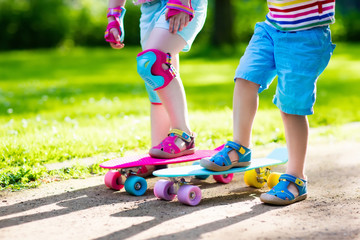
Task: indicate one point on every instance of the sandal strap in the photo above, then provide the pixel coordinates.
(222, 156)
(181, 134)
(281, 189)
(297, 181)
(237, 147)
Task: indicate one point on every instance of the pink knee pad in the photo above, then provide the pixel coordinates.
(149, 67)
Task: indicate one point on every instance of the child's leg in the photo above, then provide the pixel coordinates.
(245, 104)
(160, 124)
(160, 121)
(254, 74)
(310, 52)
(296, 134)
(237, 152)
(157, 40)
(174, 100)
(292, 186)
(173, 95)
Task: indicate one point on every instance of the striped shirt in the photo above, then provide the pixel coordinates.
(295, 15)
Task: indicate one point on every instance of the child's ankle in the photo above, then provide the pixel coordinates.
(242, 143)
(297, 174)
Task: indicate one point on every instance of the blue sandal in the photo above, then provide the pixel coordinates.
(221, 161)
(280, 195)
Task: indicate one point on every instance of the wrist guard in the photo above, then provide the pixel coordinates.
(176, 6)
(118, 13)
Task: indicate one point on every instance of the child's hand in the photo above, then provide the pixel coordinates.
(118, 44)
(114, 33)
(178, 21)
(179, 13)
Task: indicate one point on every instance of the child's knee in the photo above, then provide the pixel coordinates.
(154, 67)
(150, 68)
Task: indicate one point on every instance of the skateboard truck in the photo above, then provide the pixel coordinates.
(129, 171)
(263, 174)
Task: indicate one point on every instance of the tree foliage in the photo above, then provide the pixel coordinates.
(43, 23)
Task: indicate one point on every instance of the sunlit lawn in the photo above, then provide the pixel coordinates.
(58, 105)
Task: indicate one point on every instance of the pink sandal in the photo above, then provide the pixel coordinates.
(168, 149)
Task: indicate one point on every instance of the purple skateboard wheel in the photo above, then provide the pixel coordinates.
(189, 195)
(163, 189)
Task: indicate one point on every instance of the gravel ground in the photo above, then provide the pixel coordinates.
(86, 209)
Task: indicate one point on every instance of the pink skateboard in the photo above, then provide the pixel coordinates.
(127, 168)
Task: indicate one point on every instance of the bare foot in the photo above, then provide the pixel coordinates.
(234, 157)
(293, 189)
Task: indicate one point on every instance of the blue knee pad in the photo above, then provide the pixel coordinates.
(149, 67)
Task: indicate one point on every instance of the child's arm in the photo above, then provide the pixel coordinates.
(179, 14)
(115, 31)
(116, 3)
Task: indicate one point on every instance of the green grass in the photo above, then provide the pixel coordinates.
(57, 105)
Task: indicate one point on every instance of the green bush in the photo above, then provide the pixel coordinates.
(29, 24)
(32, 24)
(348, 21)
(43, 24)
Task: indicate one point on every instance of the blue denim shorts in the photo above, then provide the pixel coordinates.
(297, 58)
(153, 16)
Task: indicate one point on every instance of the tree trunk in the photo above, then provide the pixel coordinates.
(223, 31)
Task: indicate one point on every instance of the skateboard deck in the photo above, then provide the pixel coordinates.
(146, 159)
(277, 157)
(130, 166)
(191, 195)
